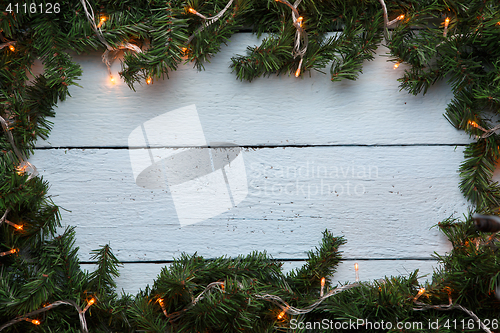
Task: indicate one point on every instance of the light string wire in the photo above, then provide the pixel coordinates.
(450, 306)
(7, 44)
(388, 23)
(300, 34)
(81, 314)
(272, 298)
(487, 133)
(296, 311)
(175, 315)
(4, 217)
(89, 12)
(287, 308)
(24, 165)
(207, 21)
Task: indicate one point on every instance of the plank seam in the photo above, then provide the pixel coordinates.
(264, 146)
(273, 259)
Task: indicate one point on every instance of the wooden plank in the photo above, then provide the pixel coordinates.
(269, 111)
(293, 195)
(137, 276)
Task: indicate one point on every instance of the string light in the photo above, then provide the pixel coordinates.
(162, 305)
(446, 23)
(21, 168)
(207, 20)
(356, 268)
(33, 321)
(448, 307)
(112, 79)
(283, 313)
(397, 19)
(89, 304)
(300, 19)
(297, 72)
(193, 11)
(149, 80)
(20, 156)
(301, 39)
(420, 292)
(89, 12)
(487, 133)
(386, 19)
(8, 252)
(396, 65)
(101, 21)
(296, 311)
(323, 280)
(473, 123)
(17, 226)
(10, 45)
(47, 307)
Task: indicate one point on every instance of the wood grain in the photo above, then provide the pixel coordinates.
(268, 111)
(386, 215)
(361, 159)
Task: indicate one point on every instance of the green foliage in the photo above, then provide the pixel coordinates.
(195, 294)
(468, 58)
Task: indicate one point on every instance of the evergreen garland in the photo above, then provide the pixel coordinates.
(41, 281)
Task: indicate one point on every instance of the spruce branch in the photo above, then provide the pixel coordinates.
(102, 279)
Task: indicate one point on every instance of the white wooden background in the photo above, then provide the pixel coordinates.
(286, 127)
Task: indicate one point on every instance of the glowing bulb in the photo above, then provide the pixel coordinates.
(35, 322)
(446, 22)
(101, 21)
(184, 49)
(149, 80)
(396, 65)
(472, 123)
(297, 72)
(192, 11)
(21, 168)
(8, 252)
(356, 268)
(160, 301)
(92, 301)
(18, 227)
(300, 19)
(112, 79)
(12, 48)
(323, 280)
(420, 292)
(400, 17)
(282, 314)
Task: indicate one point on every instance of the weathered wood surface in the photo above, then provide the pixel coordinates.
(360, 158)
